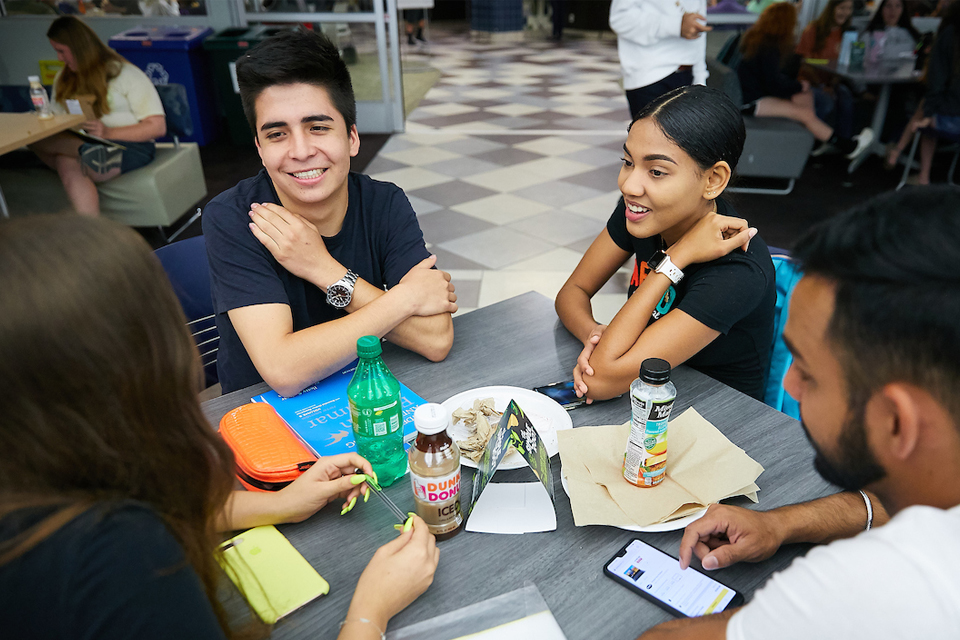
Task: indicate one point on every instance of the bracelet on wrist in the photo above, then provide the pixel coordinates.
(383, 636)
(869, 505)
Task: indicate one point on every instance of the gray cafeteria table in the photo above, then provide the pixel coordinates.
(521, 342)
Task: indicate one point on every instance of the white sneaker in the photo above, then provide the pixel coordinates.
(864, 140)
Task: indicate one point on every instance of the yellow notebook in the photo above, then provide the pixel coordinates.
(270, 573)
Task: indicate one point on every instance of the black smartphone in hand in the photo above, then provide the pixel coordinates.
(657, 576)
(563, 393)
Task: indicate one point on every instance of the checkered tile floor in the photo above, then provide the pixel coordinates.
(511, 163)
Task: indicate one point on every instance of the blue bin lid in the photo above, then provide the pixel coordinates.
(160, 38)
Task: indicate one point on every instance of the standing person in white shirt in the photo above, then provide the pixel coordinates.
(876, 343)
(660, 45)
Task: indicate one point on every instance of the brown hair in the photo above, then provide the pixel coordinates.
(774, 27)
(824, 23)
(98, 388)
(97, 64)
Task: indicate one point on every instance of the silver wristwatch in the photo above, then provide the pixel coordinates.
(661, 263)
(340, 293)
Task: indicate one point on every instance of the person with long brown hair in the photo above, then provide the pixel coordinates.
(126, 105)
(821, 39)
(112, 483)
(768, 78)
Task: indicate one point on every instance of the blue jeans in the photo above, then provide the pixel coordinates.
(835, 110)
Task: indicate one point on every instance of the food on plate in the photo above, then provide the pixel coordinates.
(478, 420)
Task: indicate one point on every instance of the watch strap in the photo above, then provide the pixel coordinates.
(662, 264)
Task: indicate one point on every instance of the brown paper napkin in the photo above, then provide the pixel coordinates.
(703, 467)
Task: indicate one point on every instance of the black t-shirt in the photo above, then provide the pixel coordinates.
(380, 240)
(734, 295)
(114, 572)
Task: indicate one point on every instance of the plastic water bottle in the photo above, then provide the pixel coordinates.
(651, 400)
(38, 95)
(435, 472)
(376, 413)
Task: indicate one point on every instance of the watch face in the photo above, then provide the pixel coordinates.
(338, 296)
(656, 259)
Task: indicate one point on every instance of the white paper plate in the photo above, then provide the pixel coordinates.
(546, 414)
(660, 527)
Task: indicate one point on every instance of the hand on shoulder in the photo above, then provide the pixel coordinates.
(712, 237)
(294, 242)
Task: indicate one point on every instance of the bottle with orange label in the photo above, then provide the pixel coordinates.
(435, 472)
(651, 400)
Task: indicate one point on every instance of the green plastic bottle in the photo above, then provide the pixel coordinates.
(377, 413)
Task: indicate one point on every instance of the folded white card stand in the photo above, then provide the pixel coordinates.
(515, 507)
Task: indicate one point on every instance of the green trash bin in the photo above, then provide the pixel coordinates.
(224, 49)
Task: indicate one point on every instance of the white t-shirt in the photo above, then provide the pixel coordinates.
(649, 42)
(901, 580)
(131, 98)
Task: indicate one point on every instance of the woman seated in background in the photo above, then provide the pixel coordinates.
(821, 39)
(891, 29)
(768, 78)
(703, 287)
(112, 483)
(940, 109)
(126, 105)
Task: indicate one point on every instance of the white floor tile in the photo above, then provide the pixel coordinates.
(514, 109)
(605, 305)
(428, 139)
(449, 109)
(551, 146)
(502, 208)
(559, 227)
(560, 259)
(506, 179)
(598, 208)
(585, 110)
(412, 178)
(497, 247)
(501, 285)
(465, 274)
(421, 155)
(553, 168)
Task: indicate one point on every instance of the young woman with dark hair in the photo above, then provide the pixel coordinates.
(821, 39)
(703, 289)
(113, 485)
(892, 22)
(768, 77)
(125, 103)
(940, 109)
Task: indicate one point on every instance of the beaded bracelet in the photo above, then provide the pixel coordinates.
(383, 636)
(866, 501)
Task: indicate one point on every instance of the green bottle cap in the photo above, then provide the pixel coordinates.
(369, 347)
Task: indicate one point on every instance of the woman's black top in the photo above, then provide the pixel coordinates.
(114, 572)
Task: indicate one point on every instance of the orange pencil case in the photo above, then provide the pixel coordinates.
(269, 454)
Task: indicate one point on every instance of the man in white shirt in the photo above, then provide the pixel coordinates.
(660, 46)
(876, 342)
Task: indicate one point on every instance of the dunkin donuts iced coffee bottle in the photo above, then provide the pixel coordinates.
(651, 399)
(435, 472)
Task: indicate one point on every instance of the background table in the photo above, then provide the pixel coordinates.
(20, 129)
(521, 342)
(885, 74)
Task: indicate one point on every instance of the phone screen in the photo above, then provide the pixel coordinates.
(562, 392)
(659, 577)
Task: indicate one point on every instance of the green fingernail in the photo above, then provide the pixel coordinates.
(366, 494)
(411, 513)
(346, 508)
(408, 525)
(353, 503)
(398, 527)
(375, 477)
(358, 478)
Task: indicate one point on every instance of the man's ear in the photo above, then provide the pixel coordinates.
(893, 420)
(354, 141)
(256, 142)
(717, 178)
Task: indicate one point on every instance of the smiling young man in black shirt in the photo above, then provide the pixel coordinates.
(306, 257)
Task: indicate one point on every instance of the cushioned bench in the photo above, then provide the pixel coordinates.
(774, 148)
(160, 193)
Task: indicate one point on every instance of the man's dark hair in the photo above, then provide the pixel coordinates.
(700, 120)
(896, 264)
(292, 57)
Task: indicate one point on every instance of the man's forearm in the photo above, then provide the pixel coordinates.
(842, 515)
